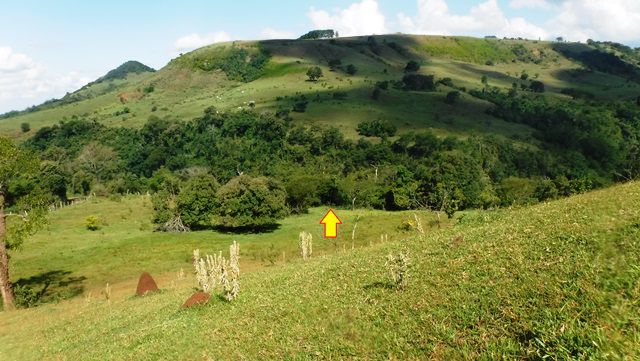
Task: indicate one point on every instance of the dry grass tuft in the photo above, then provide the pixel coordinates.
(215, 270)
(306, 244)
(398, 266)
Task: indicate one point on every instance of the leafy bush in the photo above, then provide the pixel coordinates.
(314, 73)
(340, 95)
(419, 82)
(300, 107)
(334, 64)
(25, 127)
(351, 69)
(412, 66)
(25, 296)
(377, 128)
(446, 82)
(537, 86)
(375, 95)
(196, 202)
(452, 97)
(383, 85)
(247, 202)
(302, 192)
(578, 93)
(514, 190)
(92, 223)
(545, 190)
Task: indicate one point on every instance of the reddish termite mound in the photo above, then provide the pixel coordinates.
(197, 299)
(146, 284)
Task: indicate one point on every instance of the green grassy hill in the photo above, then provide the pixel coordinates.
(272, 74)
(558, 279)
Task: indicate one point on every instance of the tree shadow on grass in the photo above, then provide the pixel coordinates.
(51, 286)
(378, 284)
(269, 228)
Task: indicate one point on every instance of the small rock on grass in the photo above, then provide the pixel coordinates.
(197, 299)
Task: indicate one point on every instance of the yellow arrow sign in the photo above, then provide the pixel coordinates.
(331, 222)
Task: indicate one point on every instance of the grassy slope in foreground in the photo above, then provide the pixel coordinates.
(558, 279)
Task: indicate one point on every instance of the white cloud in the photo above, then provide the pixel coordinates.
(11, 61)
(579, 20)
(270, 33)
(24, 82)
(531, 4)
(486, 18)
(194, 40)
(363, 18)
(576, 20)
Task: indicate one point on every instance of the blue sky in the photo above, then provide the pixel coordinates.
(50, 47)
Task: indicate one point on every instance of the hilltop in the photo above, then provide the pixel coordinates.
(271, 75)
(108, 83)
(121, 72)
(557, 279)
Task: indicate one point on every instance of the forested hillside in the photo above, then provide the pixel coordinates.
(390, 122)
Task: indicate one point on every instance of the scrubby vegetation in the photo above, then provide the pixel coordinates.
(238, 62)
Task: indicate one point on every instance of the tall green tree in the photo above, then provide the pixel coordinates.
(29, 210)
(98, 160)
(247, 202)
(314, 73)
(197, 200)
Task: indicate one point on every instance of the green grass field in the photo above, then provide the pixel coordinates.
(556, 280)
(126, 245)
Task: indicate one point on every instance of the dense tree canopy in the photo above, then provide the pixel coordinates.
(248, 202)
(20, 191)
(319, 34)
(196, 203)
(582, 145)
(314, 73)
(377, 128)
